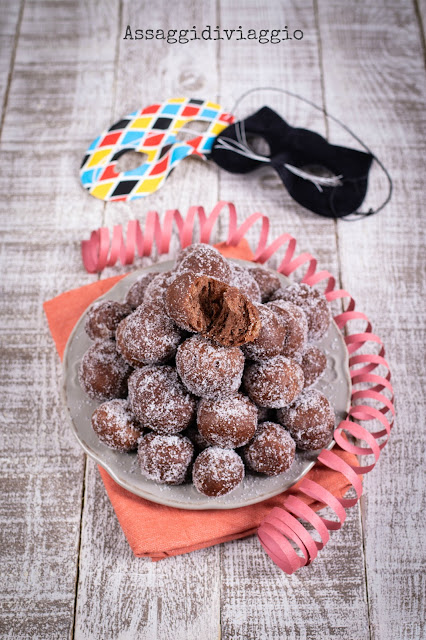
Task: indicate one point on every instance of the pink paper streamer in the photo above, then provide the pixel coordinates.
(285, 539)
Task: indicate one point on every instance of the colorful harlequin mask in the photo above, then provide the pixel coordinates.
(152, 131)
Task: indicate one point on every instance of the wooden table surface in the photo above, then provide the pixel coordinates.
(65, 74)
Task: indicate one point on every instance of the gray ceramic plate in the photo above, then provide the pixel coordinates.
(335, 384)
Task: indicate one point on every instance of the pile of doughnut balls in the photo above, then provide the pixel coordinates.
(207, 371)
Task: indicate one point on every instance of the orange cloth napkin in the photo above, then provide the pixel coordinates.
(154, 530)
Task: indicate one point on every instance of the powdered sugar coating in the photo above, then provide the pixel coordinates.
(136, 294)
(147, 336)
(243, 280)
(182, 301)
(209, 370)
(227, 422)
(309, 419)
(271, 338)
(159, 400)
(156, 289)
(203, 259)
(273, 383)
(296, 325)
(313, 303)
(271, 451)
(217, 471)
(313, 363)
(103, 373)
(104, 317)
(115, 426)
(264, 415)
(267, 280)
(165, 458)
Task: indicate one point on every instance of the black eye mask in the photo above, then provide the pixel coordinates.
(297, 155)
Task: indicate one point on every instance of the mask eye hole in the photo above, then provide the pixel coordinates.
(258, 145)
(130, 160)
(191, 130)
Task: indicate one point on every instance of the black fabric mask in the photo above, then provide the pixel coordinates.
(294, 153)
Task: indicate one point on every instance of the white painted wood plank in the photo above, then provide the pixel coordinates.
(121, 596)
(374, 52)
(177, 598)
(68, 89)
(42, 218)
(258, 600)
(152, 71)
(75, 53)
(289, 65)
(38, 115)
(421, 8)
(394, 502)
(69, 33)
(323, 600)
(9, 27)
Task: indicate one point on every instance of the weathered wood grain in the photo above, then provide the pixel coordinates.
(290, 65)
(73, 74)
(377, 48)
(324, 600)
(420, 6)
(150, 71)
(9, 33)
(121, 596)
(64, 33)
(258, 601)
(42, 219)
(178, 598)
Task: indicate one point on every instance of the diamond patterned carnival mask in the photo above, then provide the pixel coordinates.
(154, 132)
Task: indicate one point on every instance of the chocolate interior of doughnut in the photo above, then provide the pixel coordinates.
(221, 312)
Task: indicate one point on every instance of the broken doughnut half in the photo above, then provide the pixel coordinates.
(217, 310)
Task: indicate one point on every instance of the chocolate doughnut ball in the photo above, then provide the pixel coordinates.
(268, 282)
(203, 259)
(271, 451)
(156, 289)
(159, 400)
(104, 317)
(313, 303)
(165, 459)
(147, 336)
(217, 471)
(186, 301)
(103, 373)
(295, 323)
(228, 422)
(209, 370)
(136, 293)
(309, 419)
(271, 338)
(213, 308)
(273, 383)
(115, 426)
(243, 280)
(313, 363)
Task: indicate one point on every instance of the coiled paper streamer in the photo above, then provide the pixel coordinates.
(285, 539)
